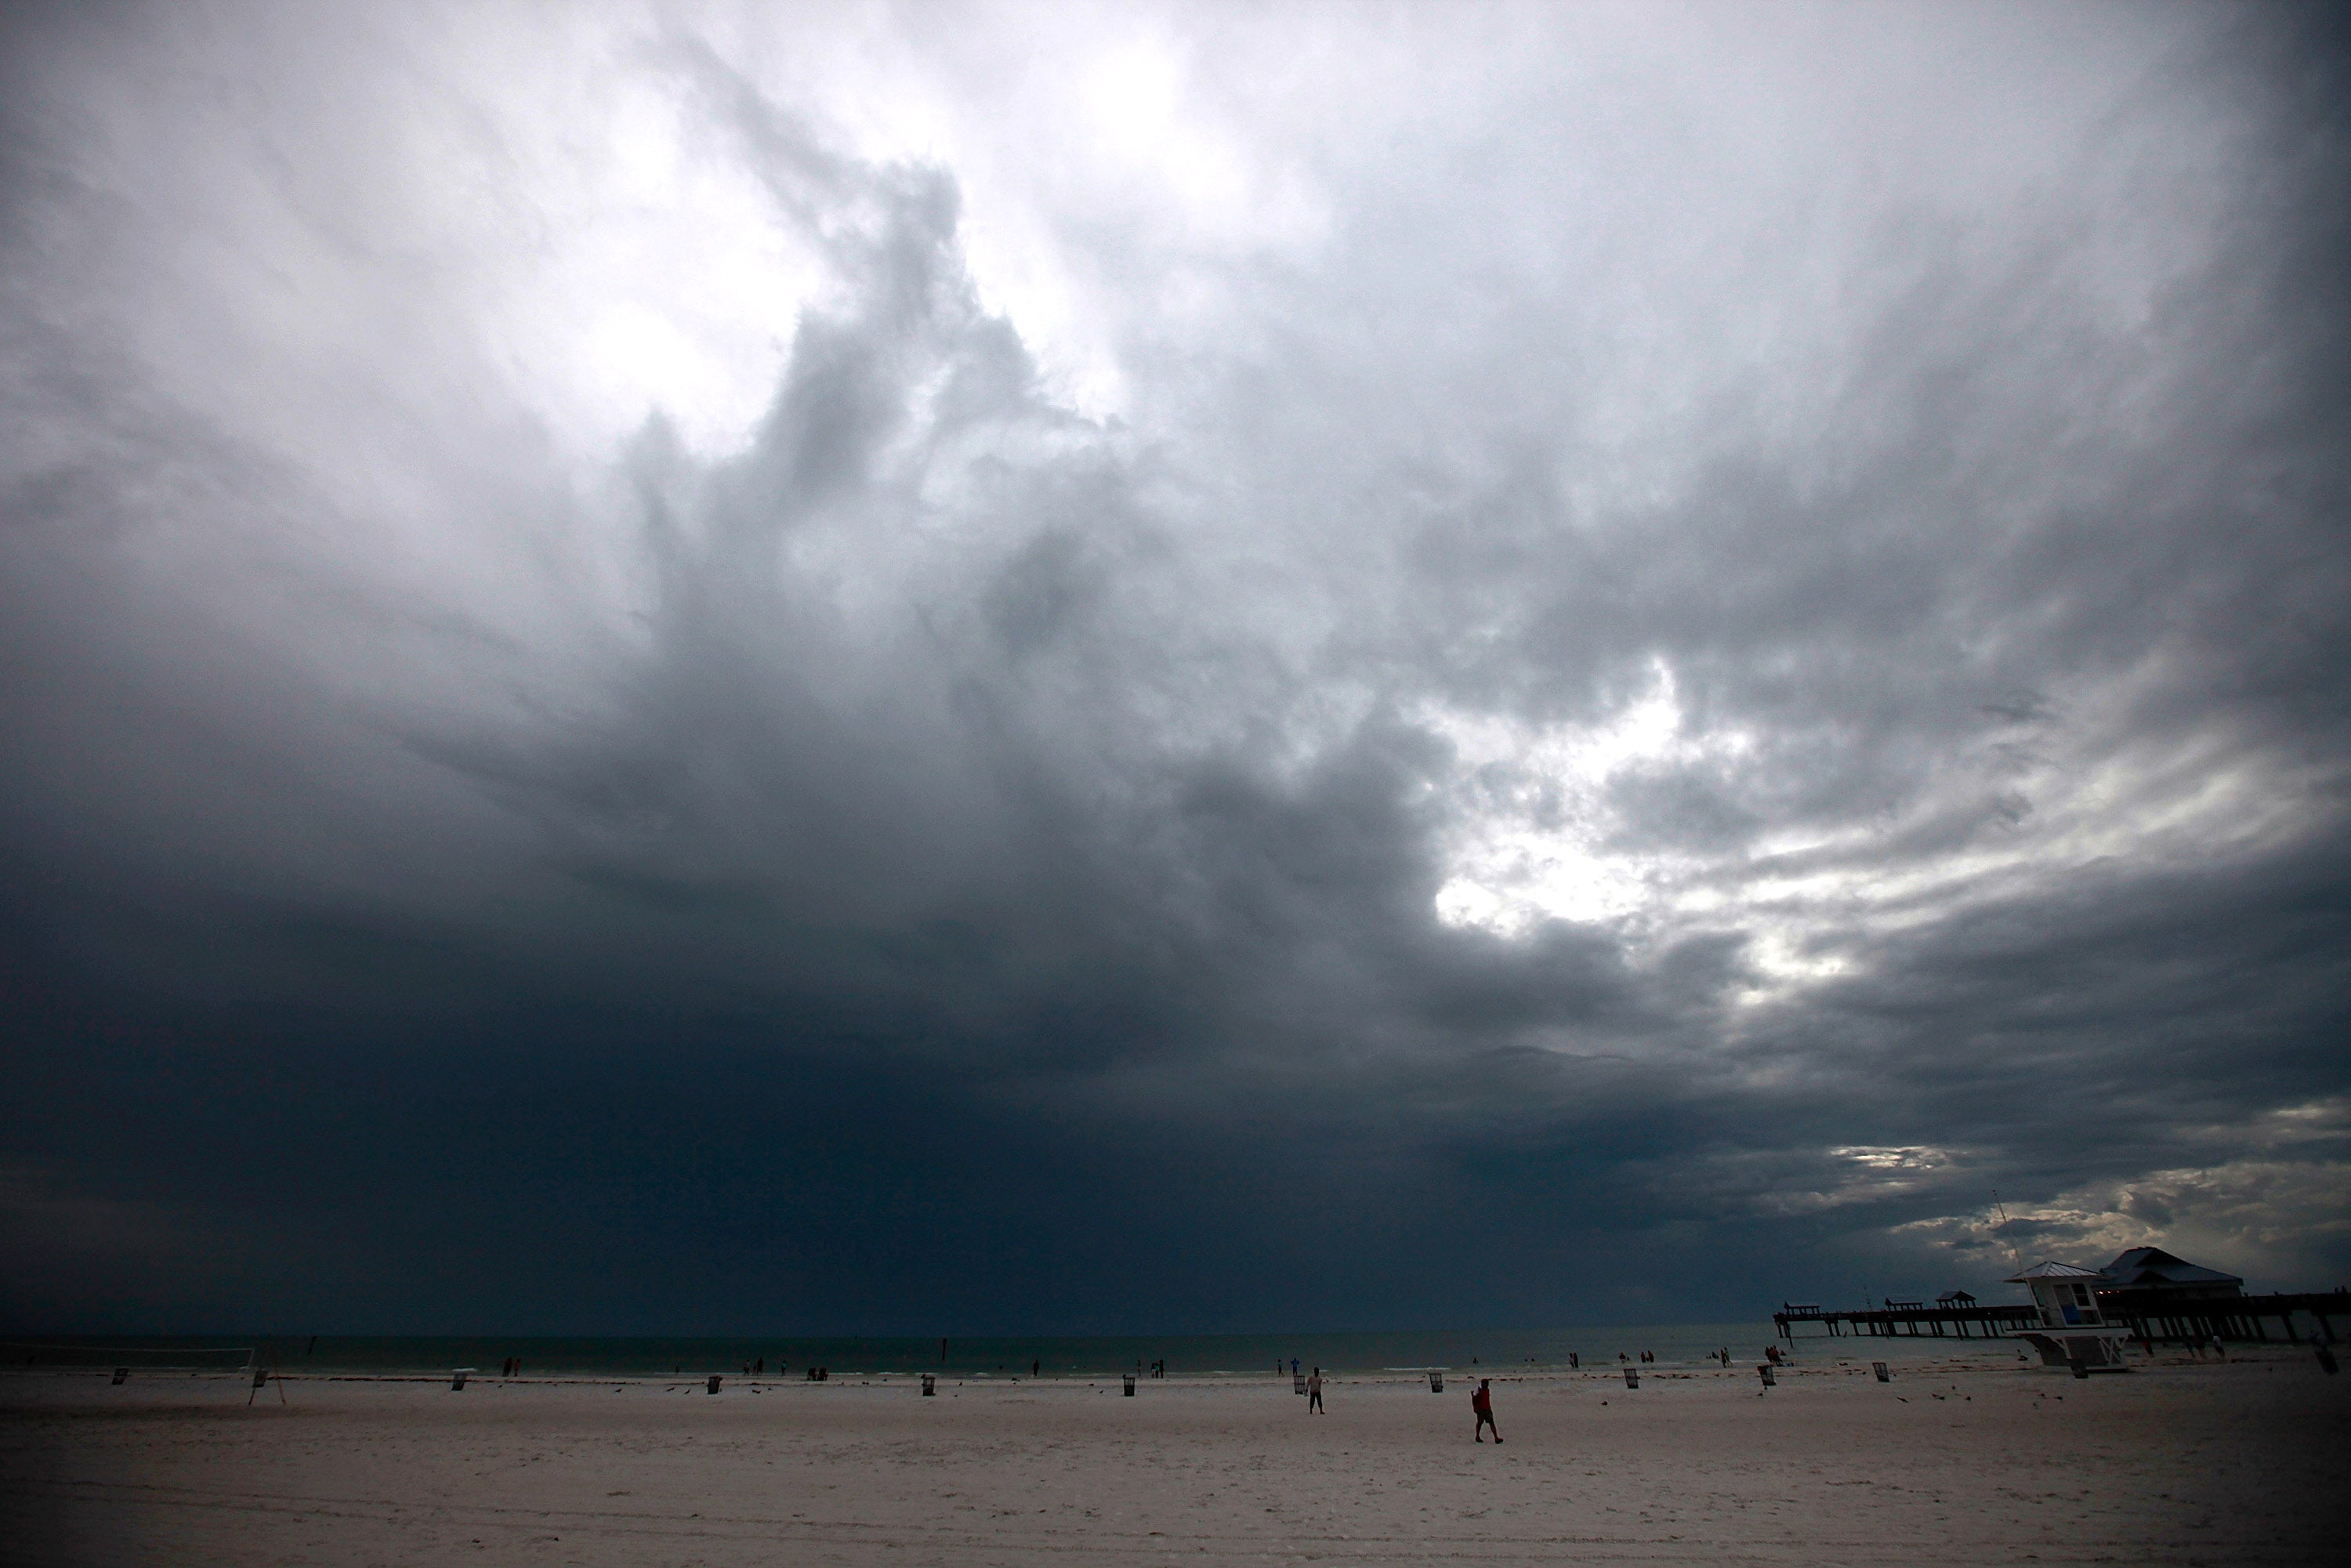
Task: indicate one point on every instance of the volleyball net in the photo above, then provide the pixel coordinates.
(124, 1357)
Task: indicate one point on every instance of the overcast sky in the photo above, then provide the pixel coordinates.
(983, 669)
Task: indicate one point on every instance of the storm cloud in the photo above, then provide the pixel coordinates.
(985, 669)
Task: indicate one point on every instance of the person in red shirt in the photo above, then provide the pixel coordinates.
(1482, 1402)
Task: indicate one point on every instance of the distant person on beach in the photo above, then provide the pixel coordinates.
(1035, 1367)
(1482, 1402)
(1314, 1394)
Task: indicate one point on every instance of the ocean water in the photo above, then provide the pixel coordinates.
(1459, 1351)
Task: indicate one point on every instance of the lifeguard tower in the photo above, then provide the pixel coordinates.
(2072, 1333)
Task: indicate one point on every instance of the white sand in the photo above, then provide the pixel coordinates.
(2241, 1463)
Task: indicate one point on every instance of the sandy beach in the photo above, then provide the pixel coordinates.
(2191, 1464)
(2232, 1463)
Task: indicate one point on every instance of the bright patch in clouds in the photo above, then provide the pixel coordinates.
(1532, 840)
(1538, 836)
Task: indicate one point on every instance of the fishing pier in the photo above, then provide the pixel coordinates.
(1947, 1318)
(2150, 1316)
(2145, 1294)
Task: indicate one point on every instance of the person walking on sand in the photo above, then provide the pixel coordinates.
(1314, 1394)
(1482, 1402)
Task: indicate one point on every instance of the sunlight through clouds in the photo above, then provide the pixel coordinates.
(1536, 834)
(1532, 840)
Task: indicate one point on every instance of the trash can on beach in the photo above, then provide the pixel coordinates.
(1128, 1378)
(457, 1379)
(713, 1388)
(1632, 1377)
(1436, 1383)
(930, 1385)
(1879, 1368)
(1767, 1373)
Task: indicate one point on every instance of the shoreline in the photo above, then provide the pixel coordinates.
(1977, 1357)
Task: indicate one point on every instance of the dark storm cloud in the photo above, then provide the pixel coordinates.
(1671, 709)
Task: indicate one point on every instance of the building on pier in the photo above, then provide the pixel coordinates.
(2162, 1296)
(2159, 1276)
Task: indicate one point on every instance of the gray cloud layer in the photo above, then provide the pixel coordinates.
(1594, 666)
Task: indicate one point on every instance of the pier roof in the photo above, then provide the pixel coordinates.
(2051, 1270)
(2153, 1268)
